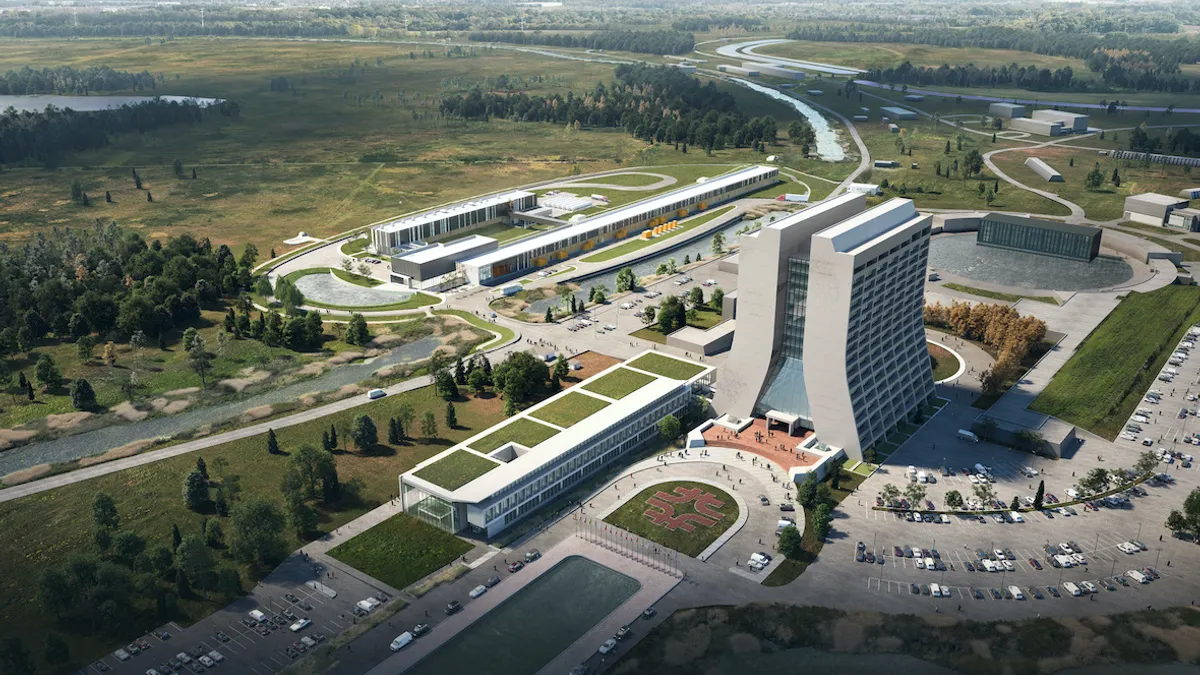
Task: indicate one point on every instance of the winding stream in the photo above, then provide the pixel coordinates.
(827, 143)
(98, 441)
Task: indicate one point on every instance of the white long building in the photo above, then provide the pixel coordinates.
(422, 227)
(832, 339)
(603, 229)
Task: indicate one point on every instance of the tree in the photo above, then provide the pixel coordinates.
(302, 517)
(195, 560)
(1191, 511)
(429, 427)
(696, 296)
(806, 491)
(202, 467)
(104, 512)
(176, 536)
(363, 433)
(272, 443)
(549, 318)
(195, 490)
(46, 372)
(1146, 463)
(477, 381)
(972, 162)
(460, 373)
(822, 519)
(648, 315)
(1116, 177)
(1094, 179)
(669, 427)
(718, 243)
(890, 494)
(717, 300)
(1176, 523)
(177, 165)
(1039, 497)
(110, 354)
(985, 493)
(127, 546)
(357, 332)
(835, 472)
(102, 538)
(189, 337)
(954, 499)
(626, 280)
(395, 433)
(82, 395)
(915, 493)
(163, 559)
(1095, 481)
(213, 534)
(1015, 505)
(791, 542)
(562, 369)
(229, 583)
(256, 528)
(405, 416)
(84, 347)
(445, 386)
(333, 437)
(14, 657)
(54, 591)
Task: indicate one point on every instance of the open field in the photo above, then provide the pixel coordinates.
(1108, 202)
(400, 550)
(867, 55)
(456, 469)
(54, 525)
(1101, 384)
(632, 516)
(619, 383)
(524, 431)
(281, 166)
(569, 409)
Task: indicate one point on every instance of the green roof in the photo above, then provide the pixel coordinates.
(666, 366)
(524, 431)
(565, 411)
(456, 469)
(619, 383)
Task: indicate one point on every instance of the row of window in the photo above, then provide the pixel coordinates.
(386, 240)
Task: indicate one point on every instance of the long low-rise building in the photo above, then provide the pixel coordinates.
(1006, 110)
(493, 479)
(1072, 122)
(1152, 208)
(434, 267)
(617, 224)
(774, 71)
(898, 113)
(1044, 170)
(1034, 126)
(439, 222)
(1044, 237)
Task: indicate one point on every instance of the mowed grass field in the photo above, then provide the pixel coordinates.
(631, 516)
(291, 161)
(400, 550)
(1101, 384)
(868, 55)
(48, 528)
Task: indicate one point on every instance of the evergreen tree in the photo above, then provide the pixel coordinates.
(1039, 498)
(272, 443)
(451, 416)
(333, 439)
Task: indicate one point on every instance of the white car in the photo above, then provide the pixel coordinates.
(920, 563)
(1138, 576)
(1072, 493)
(999, 554)
(1008, 565)
(945, 519)
(216, 656)
(1017, 518)
(184, 658)
(1066, 548)
(376, 393)
(402, 640)
(1078, 559)
(935, 590)
(609, 645)
(121, 655)
(989, 565)
(1065, 561)
(1071, 588)
(1128, 548)
(300, 625)
(206, 662)
(1089, 587)
(1016, 593)
(974, 479)
(930, 565)
(477, 591)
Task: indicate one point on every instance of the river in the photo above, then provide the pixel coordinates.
(95, 442)
(39, 102)
(828, 146)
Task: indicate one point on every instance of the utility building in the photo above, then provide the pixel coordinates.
(439, 222)
(1044, 170)
(434, 267)
(1032, 126)
(1044, 237)
(775, 71)
(833, 339)
(1152, 208)
(1072, 122)
(1006, 110)
(898, 113)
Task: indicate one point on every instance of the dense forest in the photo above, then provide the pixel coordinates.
(42, 137)
(1022, 77)
(640, 41)
(652, 103)
(1125, 61)
(68, 80)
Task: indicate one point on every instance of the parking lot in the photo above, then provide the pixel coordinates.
(298, 589)
(1166, 417)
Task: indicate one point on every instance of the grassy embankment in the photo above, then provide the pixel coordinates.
(1101, 384)
(997, 295)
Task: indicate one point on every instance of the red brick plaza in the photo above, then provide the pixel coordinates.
(772, 444)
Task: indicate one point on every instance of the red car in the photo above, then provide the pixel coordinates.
(516, 566)
(1035, 564)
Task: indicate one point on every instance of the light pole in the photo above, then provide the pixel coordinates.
(1096, 546)
(1156, 557)
(1139, 534)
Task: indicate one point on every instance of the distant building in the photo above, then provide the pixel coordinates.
(1044, 170)
(898, 113)
(735, 70)
(1072, 122)
(914, 98)
(864, 188)
(887, 164)
(1187, 219)
(1151, 208)
(439, 222)
(433, 267)
(1039, 127)
(1006, 110)
(775, 71)
(1044, 237)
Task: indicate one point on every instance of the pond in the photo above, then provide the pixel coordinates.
(529, 629)
(958, 254)
(330, 290)
(37, 102)
(828, 146)
(96, 442)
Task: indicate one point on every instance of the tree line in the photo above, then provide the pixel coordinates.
(639, 41)
(68, 80)
(1014, 75)
(652, 103)
(999, 327)
(44, 136)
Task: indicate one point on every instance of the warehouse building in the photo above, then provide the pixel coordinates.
(490, 481)
(1044, 170)
(775, 71)
(832, 339)
(1187, 220)
(605, 228)
(1152, 208)
(1033, 126)
(1044, 237)
(393, 235)
(433, 267)
(1006, 110)
(1073, 123)
(735, 70)
(898, 113)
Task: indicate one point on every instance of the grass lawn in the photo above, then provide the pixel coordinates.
(400, 550)
(506, 334)
(569, 409)
(632, 516)
(619, 383)
(789, 569)
(457, 469)
(638, 244)
(997, 295)
(1101, 384)
(416, 301)
(356, 245)
(523, 431)
(945, 363)
(888, 55)
(54, 525)
(667, 366)
(628, 179)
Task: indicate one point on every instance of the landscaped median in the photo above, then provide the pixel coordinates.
(505, 335)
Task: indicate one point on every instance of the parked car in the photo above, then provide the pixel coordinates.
(609, 645)
(453, 606)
